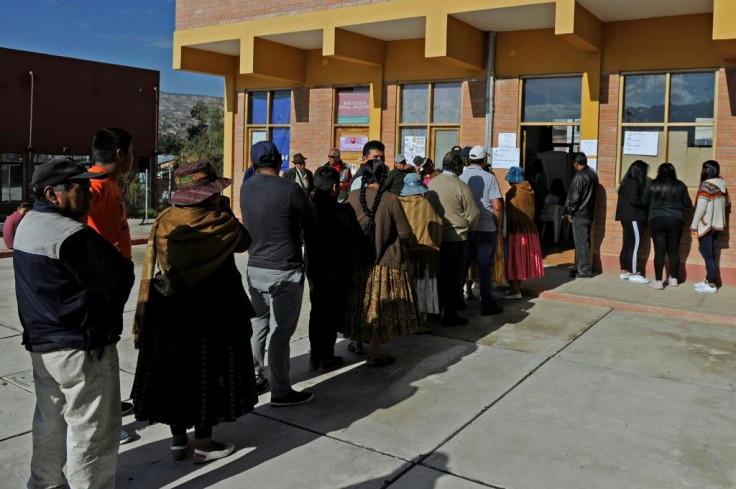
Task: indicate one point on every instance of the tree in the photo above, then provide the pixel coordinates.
(205, 138)
(169, 144)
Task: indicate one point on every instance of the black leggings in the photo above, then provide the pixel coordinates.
(630, 249)
(666, 235)
(200, 432)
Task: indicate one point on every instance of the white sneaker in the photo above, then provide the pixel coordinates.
(656, 284)
(706, 288)
(700, 284)
(672, 282)
(638, 279)
(624, 276)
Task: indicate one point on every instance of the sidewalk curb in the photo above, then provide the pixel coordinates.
(648, 309)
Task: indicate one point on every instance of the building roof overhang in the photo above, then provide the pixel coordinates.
(275, 48)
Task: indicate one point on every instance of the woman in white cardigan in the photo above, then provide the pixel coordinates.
(709, 220)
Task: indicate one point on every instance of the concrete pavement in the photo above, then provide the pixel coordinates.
(591, 383)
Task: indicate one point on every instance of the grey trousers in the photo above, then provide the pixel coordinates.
(277, 299)
(581, 237)
(77, 421)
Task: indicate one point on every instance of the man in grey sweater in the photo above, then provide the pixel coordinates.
(275, 210)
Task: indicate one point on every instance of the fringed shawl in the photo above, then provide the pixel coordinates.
(188, 243)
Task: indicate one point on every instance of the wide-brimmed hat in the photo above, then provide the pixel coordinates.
(61, 169)
(299, 159)
(412, 185)
(195, 182)
(515, 175)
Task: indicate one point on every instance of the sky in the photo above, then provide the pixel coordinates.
(137, 33)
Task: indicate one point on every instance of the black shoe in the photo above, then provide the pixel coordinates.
(433, 318)
(469, 295)
(331, 364)
(314, 364)
(461, 306)
(293, 398)
(584, 276)
(573, 273)
(453, 320)
(491, 310)
(262, 385)
(126, 407)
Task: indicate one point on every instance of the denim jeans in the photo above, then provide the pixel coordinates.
(482, 248)
(708, 250)
(581, 237)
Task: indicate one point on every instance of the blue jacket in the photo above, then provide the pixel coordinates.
(70, 283)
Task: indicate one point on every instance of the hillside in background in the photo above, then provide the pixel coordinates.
(174, 112)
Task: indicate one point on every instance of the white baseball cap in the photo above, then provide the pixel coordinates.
(477, 153)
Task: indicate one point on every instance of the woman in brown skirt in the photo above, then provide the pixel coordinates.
(382, 303)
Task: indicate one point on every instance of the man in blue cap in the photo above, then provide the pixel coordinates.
(274, 211)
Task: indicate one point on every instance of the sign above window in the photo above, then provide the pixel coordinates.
(353, 106)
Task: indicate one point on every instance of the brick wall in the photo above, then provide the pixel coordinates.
(199, 13)
(311, 124)
(726, 157)
(473, 129)
(239, 149)
(505, 116)
(388, 121)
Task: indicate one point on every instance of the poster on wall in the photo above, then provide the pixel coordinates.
(507, 140)
(642, 143)
(504, 157)
(589, 147)
(353, 143)
(415, 146)
(353, 107)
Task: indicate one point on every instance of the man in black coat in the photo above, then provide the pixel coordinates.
(300, 174)
(580, 211)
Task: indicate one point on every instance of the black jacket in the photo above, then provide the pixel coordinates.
(631, 206)
(292, 174)
(71, 284)
(581, 196)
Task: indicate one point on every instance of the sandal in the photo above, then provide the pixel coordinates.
(380, 361)
(179, 452)
(356, 347)
(203, 456)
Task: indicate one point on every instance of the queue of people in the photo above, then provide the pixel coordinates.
(388, 258)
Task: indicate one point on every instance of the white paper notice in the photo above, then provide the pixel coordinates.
(593, 163)
(507, 140)
(504, 157)
(589, 147)
(644, 143)
(414, 146)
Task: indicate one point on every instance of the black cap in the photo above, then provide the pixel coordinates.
(61, 169)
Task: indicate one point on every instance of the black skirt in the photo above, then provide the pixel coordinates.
(195, 366)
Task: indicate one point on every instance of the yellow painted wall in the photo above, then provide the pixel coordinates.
(664, 43)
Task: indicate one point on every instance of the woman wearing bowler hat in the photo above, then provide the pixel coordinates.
(192, 324)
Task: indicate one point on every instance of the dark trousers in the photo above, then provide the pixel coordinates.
(326, 316)
(581, 237)
(630, 249)
(451, 276)
(482, 247)
(666, 235)
(708, 250)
